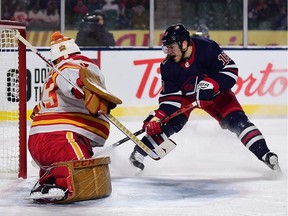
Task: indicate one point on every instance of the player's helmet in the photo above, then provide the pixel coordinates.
(175, 34)
(62, 46)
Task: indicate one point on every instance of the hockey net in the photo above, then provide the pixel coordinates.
(13, 139)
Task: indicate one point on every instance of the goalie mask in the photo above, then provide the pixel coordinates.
(62, 46)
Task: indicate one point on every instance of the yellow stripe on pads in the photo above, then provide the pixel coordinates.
(142, 112)
(261, 110)
(75, 146)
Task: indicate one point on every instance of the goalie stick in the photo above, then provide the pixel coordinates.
(131, 136)
(164, 120)
(109, 117)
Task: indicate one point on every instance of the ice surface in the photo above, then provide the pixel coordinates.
(209, 173)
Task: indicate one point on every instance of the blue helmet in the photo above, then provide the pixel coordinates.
(175, 34)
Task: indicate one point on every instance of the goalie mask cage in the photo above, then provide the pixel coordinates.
(13, 129)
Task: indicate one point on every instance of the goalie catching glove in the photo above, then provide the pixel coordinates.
(96, 97)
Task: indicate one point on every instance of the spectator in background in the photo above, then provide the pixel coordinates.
(41, 3)
(93, 32)
(267, 14)
(7, 13)
(95, 5)
(20, 14)
(140, 18)
(36, 17)
(52, 15)
(79, 11)
(124, 20)
(111, 5)
(280, 20)
(111, 11)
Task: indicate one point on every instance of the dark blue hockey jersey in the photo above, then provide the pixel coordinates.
(179, 80)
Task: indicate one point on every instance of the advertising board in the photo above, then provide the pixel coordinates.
(134, 76)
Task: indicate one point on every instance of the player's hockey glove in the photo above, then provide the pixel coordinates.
(206, 91)
(152, 124)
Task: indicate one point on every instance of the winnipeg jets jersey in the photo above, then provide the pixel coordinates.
(179, 80)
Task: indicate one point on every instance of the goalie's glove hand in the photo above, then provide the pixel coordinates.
(91, 101)
(207, 89)
(153, 124)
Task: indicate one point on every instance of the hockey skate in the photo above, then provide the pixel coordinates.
(271, 160)
(136, 160)
(48, 194)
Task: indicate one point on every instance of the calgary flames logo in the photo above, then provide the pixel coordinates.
(62, 48)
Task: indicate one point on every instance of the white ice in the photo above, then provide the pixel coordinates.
(209, 173)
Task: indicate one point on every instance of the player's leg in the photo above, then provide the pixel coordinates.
(251, 137)
(49, 148)
(231, 116)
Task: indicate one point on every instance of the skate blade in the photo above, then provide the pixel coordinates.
(58, 196)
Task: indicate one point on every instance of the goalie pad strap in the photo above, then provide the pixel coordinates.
(93, 83)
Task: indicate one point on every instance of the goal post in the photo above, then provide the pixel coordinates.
(13, 125)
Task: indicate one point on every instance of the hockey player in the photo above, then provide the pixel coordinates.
(197, 69)
(66, 124)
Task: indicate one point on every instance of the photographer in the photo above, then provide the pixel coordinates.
(92, 31)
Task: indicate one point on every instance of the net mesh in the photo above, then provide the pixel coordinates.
(9, 102)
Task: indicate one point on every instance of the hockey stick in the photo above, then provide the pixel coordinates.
(131, 136)
(109, 117)
(166, 119)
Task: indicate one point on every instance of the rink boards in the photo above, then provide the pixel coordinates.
(133, 75)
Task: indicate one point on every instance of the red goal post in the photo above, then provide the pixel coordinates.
(13, 125)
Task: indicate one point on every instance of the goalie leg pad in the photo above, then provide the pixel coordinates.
(87, 179)
(94, 84)
(90, 179)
